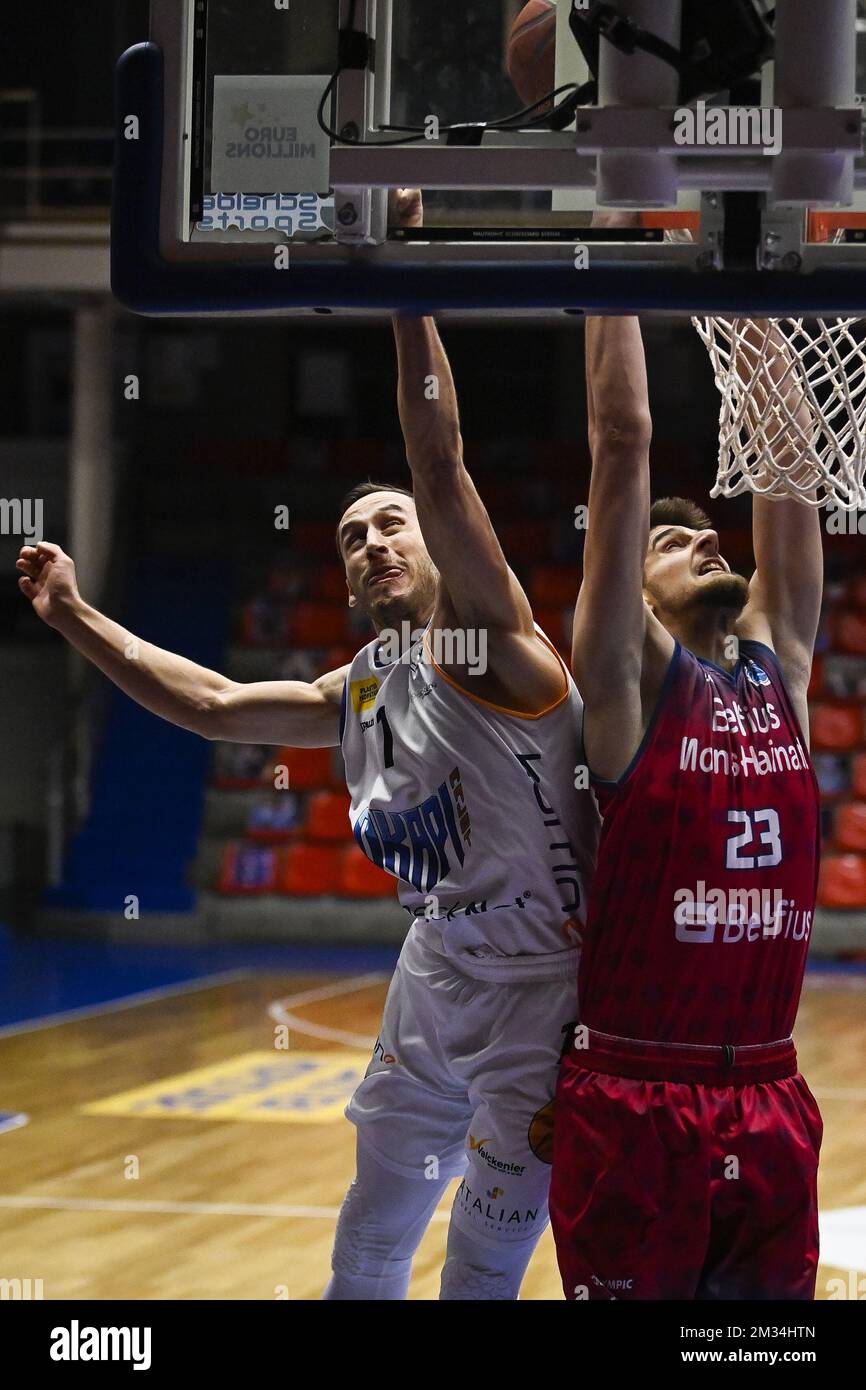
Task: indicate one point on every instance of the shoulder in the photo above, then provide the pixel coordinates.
(760, 657)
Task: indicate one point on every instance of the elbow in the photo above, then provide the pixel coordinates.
(207, 717)
(621, 434)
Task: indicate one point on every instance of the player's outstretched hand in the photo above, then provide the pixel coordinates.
(47, 578)
(406, 207)
(615, 217)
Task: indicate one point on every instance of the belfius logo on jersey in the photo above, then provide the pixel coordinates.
(420, 844)
(708, 915)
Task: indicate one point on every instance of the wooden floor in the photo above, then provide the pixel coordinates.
(238, 1209)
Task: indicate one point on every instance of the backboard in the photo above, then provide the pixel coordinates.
(265, 137)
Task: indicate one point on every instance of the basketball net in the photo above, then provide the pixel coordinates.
(793, 415)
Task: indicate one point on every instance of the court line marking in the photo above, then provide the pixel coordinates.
(180, 1208)
(838, 1092)
(128, 1001)
(276, 1010)
(834, 979)
(279, 1010)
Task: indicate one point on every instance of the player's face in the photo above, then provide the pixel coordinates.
(684, 571)
(388, 570)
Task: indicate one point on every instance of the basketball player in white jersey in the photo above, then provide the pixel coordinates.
(461, 733)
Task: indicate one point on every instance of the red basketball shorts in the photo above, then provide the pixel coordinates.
(684, 1173)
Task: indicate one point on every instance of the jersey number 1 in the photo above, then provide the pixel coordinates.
(387, 736)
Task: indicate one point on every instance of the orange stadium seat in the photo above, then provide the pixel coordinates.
(361, 878)
(837, 726)
(318, 624)
(553, 586)
(309, 769)
(327, 584)
(338, 656)
(555, 623)
(816, 679)
(851, 826)
(328, 818)
(842, 883)
(307, 871)
(849, 631)
(858, 777)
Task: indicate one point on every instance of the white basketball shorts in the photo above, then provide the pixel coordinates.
(461, 1084)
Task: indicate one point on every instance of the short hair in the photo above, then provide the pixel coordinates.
(678, 511)
(364, 490)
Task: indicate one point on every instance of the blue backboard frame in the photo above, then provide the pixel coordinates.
(145, 281)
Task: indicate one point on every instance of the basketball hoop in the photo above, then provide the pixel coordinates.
(793, 415)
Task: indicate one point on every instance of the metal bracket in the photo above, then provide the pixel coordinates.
(782, 237)
(709, 255)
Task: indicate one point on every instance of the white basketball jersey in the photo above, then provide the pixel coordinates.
(473, 808)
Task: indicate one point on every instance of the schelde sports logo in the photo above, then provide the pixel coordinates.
(419, 845)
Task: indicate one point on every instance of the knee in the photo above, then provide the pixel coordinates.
(473, 1270)
(369, 1233)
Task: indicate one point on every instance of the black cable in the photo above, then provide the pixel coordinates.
(511, 122)
(415, 134)
(505, 122)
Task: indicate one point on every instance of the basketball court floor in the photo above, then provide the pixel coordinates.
(189, 1142)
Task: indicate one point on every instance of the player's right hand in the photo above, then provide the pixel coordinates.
(406, 207)
(47, 578)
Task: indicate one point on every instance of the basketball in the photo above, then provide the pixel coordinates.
(532, 51)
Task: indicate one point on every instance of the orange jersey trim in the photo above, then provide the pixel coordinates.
(489, 704)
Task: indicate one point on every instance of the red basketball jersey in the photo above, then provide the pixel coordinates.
(699, 920)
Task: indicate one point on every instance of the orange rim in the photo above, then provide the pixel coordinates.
(674, 219)
(822, 225)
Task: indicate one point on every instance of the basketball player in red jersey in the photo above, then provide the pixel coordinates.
(686, 1142)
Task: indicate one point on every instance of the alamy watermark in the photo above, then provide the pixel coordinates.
(755, 127)
(22, 516)
(465, 646)
(844, 523)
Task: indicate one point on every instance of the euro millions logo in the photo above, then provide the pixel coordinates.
(495, 1193)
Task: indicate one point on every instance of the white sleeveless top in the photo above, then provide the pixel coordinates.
(473, 808)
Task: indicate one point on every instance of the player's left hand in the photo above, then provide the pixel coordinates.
(615, 217)
(406, 207)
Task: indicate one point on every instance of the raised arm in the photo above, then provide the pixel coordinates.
(785, 591)
(620, 650)
(191, 696)
(477, 590)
